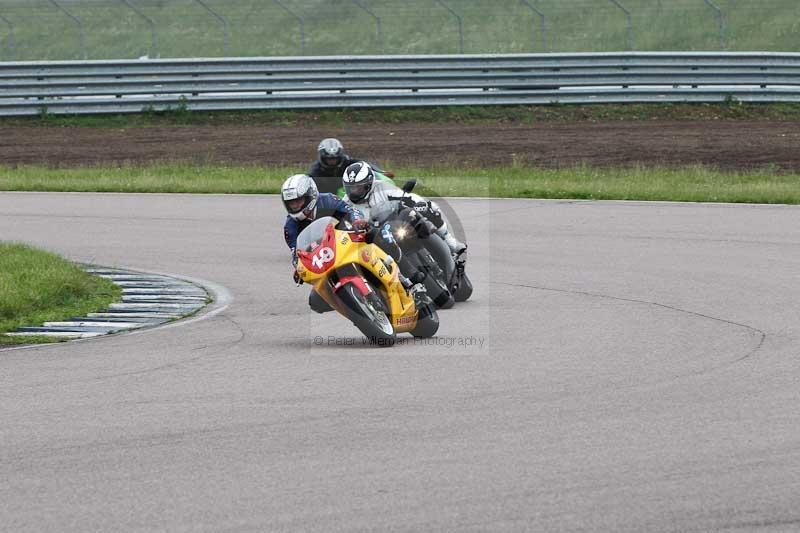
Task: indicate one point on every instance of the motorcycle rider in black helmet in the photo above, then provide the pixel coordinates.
(331, 161)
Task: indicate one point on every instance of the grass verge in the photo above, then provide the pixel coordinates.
(522, 114)
(38, 286)
(690, 184)
(180, 28)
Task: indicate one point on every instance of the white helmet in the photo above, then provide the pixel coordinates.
(299, 194)
(357, 180)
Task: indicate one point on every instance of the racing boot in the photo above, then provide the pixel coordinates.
(415, 288)
(457, 248)
(420, 295)
(460, 255)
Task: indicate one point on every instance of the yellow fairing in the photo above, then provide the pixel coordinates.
(372, 259)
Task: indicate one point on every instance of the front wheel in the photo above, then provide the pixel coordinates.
(368, 315)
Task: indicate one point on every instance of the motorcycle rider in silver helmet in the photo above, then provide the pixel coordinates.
(304, 204)
(364, 191)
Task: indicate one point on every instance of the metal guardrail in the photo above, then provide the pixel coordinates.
(85, 87)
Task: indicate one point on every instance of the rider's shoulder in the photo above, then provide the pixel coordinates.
(327, 197)
(385, 186)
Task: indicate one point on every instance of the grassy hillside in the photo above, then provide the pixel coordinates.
(38, 30)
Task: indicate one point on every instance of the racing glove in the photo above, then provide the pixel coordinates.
(361, 225)
(420, 224)
(427, 210)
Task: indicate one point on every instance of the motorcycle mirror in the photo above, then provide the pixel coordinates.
(409, 185)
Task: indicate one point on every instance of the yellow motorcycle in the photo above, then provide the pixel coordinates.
(360, 281)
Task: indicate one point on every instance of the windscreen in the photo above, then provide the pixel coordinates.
(312, 236)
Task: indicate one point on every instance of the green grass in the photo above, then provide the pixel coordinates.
(515, 114)
(183, 28)
(161, 178)
(38, 286)
(691, 184)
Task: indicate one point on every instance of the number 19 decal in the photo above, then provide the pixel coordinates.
(323, 256)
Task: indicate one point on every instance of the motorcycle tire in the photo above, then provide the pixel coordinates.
(439, 292)
(427, 322)
(365, 315)
(464, 290)
(435, 286)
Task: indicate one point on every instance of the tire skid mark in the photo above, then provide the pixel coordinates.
(762, 336)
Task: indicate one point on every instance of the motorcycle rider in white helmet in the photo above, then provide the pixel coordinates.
(304, 204)
(364, 192)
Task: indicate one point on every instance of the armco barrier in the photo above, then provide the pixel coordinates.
(130, 86)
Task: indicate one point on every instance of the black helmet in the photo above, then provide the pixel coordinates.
(357, 180)
(331, 153)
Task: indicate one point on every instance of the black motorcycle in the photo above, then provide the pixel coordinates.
(422, 249)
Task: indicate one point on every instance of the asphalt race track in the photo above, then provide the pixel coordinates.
(621, 366)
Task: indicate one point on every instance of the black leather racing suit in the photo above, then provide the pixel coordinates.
(329, 179)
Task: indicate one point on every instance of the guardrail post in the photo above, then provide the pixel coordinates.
(721, 17)
(226, 33)
(458, 22)
(541, 20)
(630, 22)
(12, 48)
(153, 38)
(77, 21)
(377, 22)
(302, 25)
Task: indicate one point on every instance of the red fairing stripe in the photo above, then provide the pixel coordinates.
(358, 281)
(323, 256)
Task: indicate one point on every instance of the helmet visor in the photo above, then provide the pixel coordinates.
(330, 160)
(356, 191)
(296, 205)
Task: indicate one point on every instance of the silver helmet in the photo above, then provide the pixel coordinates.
(331, 153)
(299, 194)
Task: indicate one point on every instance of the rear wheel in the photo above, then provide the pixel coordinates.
(464, 290)
(367, 312)
(427, 322)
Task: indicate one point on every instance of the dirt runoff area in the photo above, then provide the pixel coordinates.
(724, 144)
